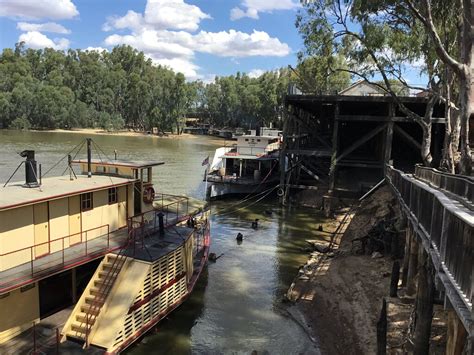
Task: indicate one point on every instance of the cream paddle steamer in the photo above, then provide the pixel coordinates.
(101, 240)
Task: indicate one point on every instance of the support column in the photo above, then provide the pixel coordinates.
(335, 148)
(412, 264)
(424, 306)
(457, 335)
(406, 253)
(74, 286)
(283, 166)
(388, 143)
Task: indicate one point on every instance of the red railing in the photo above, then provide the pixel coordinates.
(68, 255)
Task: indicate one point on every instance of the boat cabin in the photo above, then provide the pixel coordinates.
(49, 227)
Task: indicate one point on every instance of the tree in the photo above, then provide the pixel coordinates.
(378, 39)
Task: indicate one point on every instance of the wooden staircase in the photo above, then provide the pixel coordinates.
(85, 314)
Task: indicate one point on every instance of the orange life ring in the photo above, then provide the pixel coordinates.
(149, 194)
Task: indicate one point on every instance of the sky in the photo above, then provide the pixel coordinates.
(200, 38)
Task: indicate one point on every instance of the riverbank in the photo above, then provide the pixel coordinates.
(340, 289)
(126, 133)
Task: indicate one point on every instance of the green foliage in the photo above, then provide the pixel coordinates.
(123, 89)
(20, 123)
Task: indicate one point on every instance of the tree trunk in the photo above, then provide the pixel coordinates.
(466, 90)
(447, 161)
(426, 144)
(424, 306)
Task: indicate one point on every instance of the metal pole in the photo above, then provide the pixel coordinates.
(89, 157)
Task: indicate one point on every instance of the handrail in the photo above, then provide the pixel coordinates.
(57, 239)
(14, 281)
(106, 286)
(459, 185)
(444, 223)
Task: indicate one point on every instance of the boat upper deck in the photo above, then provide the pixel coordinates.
(136, 164)
(15, 195)
(155, 245)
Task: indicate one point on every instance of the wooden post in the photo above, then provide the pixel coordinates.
(382, 330)
(73, 285)
(283, 155)
(388, 136)
(412, 266)
(406, 255)
(457, 335)
(395, 278)
(424, 306)
(335, 146)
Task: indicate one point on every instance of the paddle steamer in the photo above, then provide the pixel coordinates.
(102, 240)
(250, 166)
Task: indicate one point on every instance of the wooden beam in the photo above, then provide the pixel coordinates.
(304, 187)
(360, 141)
(310, 173)
(311, 152)
(408, 138)
(369, 118)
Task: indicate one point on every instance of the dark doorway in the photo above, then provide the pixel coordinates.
(83, 275)
(55, 293)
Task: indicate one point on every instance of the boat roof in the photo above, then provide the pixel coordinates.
(15, 195)
(135, 164)
(254, 136)
(250, 157)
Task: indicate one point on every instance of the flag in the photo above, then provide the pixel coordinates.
(205, 161)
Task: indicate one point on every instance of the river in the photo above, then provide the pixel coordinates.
(237, 304)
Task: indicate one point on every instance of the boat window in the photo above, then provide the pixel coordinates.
(246, 139)
(113, 170)
(146, 175)
(100, 169)
(258, 140)
(112, 195)
(86, 201)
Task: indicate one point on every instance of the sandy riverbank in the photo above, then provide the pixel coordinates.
(340, 293)
(184, 136)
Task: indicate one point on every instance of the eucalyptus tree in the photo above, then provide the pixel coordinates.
(379, 39)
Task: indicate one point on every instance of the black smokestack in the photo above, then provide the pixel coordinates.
(31, 174)
(89, 157)
(257, 131)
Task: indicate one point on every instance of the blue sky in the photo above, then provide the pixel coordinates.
(201, 38)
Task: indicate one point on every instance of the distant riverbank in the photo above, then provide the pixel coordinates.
(125, 133)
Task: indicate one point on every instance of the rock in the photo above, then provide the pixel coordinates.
(321, 248)
(320, 228)
(377, 255)
(330, 254)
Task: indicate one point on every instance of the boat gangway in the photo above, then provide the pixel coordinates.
(440, 217)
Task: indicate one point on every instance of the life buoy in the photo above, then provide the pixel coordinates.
(149, 194)
(280, 192)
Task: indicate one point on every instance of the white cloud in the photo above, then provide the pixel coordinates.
(38, 9)
(253, 7)
(237, 13)
(37, 40)
(173, 14)
(42, 27)
(131, 20)
(160, 15)
(255, 73)
(171, 40)
(239, 44)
